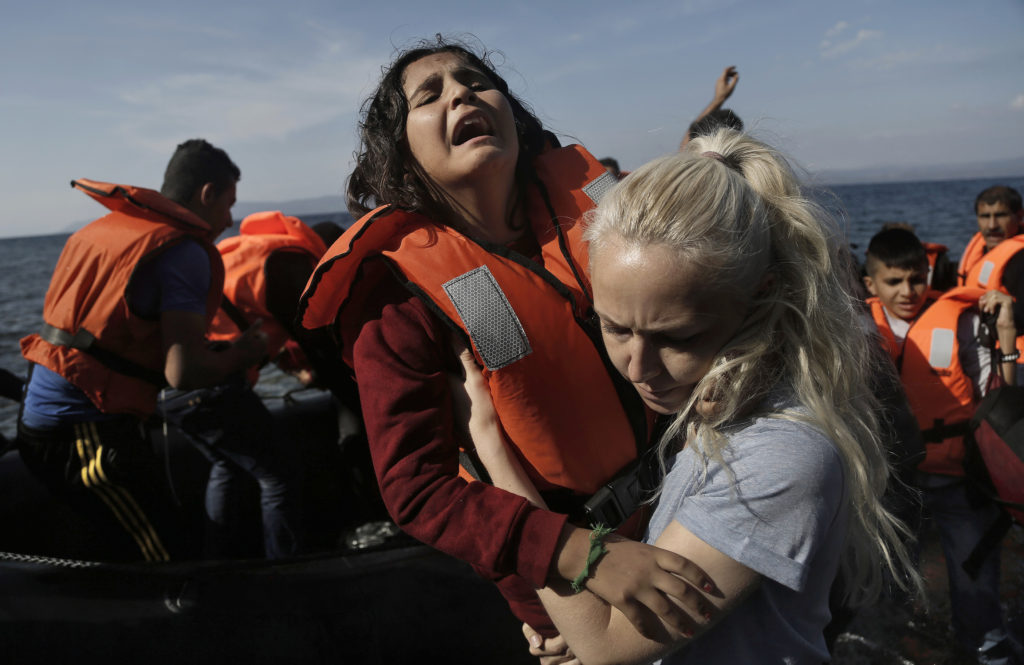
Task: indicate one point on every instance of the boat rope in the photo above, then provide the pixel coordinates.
(46, 560)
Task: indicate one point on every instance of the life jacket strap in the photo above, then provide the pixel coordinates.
(85, 341)
(942, 431)
(619, 498)
(235, 314)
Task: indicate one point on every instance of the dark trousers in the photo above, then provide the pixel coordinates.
(107, 474)
(232, 428)
(962, 519)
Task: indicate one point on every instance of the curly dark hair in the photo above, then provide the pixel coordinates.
(386, 171)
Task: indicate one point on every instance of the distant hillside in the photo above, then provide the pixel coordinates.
(320, 208)
(311, 211)
(967, 171)
(296, 207)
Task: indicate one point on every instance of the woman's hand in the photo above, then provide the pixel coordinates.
(473, 407)
(638, 580)
(551, 651)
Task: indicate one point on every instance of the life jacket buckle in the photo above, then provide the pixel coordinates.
(618, 499)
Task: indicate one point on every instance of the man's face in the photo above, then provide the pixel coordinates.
(900, 290)
(216, 210)
(996, 223)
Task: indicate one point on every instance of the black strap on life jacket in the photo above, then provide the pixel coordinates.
(613, 503)
(619, 498)
(942, 430)
(83, 340)
(235, 314)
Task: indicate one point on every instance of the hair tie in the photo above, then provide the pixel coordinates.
(714, 155)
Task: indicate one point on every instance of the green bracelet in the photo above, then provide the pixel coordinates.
(597, 548)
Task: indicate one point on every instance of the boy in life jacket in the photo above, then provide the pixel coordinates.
(933, 340)
(126, 314)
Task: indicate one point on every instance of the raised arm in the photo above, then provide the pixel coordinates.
(724, 87)
(997, 301)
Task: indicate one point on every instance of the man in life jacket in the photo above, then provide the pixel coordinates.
(994, 258)
(126, 314)
(265, 270)
(933, 340)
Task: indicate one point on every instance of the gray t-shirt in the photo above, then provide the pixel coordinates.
(780, 509)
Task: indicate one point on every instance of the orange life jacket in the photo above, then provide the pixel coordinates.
(551, 384)
(889, 341)
(91, 336)
(940, 392)
(972, 255)
(934, 251)
(987, 274)
(261, 235)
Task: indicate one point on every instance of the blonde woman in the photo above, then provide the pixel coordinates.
(720, 300)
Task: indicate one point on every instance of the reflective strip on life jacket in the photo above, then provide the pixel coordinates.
(553, 388)
(940, 393)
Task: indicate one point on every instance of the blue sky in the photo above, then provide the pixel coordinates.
(107, 91)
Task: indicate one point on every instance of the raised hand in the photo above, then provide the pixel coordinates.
(725, 84)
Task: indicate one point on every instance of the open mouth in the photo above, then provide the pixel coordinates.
(470, 128)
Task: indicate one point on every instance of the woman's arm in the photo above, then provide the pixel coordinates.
(599, 633)
(402, 357)
(724, 86)
(638, 579)
(473, 404)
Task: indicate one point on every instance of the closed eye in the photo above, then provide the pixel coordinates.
(674, 341)
(425, 99)
(614, 330)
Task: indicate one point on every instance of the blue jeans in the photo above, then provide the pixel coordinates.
(233, 429)
(961, 521)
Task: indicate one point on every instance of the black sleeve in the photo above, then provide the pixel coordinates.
(1013, 280)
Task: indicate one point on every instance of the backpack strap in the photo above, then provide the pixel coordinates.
(234, 314)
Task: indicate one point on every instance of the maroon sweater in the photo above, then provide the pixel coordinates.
(402, 357)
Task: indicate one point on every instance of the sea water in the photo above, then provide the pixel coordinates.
(940, 211)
